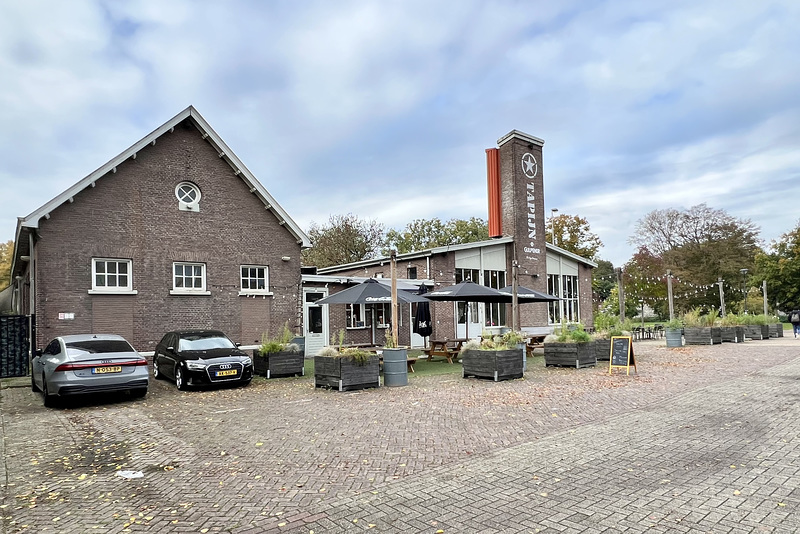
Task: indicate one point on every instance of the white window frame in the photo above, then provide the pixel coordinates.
(251, 291)
(127, 289)
(193, 290)
(353, 310)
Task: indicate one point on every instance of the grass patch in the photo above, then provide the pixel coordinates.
(438, 366)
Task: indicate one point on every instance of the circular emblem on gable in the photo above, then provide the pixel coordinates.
(529, 165)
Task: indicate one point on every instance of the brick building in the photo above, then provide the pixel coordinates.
(174, 232)
(517, 230)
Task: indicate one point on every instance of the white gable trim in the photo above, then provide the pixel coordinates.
(32, 220)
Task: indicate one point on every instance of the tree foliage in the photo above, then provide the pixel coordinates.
(573, 233)
(344, 239)
(6, 255)
(699, 245)
(422, 234)
(780, 267)
(603, 279)
(645, 279)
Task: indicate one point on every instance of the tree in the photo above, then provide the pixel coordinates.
(603, 279)
(572, 233)
(345, 239)
(644, 276)
(781, 269)
(6, 255)
(700, 245)
(422, 234)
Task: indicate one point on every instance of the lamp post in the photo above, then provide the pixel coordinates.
(553, 212)
(744, 288)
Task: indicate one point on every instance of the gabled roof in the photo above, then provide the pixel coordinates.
(31, 221)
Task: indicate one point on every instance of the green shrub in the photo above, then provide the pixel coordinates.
(280, 343)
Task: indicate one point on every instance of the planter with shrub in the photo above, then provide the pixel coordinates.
(278, 356)
(346, 370)
(572, 347)
(497, 357)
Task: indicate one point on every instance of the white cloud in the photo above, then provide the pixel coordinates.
(384, 109)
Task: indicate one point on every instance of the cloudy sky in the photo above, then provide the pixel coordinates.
(384, 108)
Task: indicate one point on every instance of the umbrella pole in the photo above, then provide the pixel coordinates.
(394, 297)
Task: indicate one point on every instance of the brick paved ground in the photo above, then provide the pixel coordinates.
(702, 440)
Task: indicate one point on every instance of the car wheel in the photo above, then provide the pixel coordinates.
(157, 374)
(246, 383)
(139, 393)
(34, 387)
(180, 380)
(49, 400)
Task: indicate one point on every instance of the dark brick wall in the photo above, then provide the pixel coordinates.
(134, 214)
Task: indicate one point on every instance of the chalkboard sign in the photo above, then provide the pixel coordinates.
(621, 353)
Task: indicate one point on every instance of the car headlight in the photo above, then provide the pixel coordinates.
(246, 361)
(195, 365)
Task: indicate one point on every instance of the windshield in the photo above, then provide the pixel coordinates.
(204, 342)
(98, 346)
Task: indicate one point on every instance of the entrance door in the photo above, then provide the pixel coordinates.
(468, 314)
(315, 320)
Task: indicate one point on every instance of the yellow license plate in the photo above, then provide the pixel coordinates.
(231, 372)
(103, 370)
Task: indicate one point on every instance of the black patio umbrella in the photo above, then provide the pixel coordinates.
(469, 291)
(370, 291)
(525, 294)
(422, 320)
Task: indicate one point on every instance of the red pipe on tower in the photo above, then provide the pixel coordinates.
(493, 179)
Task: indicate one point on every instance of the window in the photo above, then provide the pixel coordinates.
(467, 274)
(356, 317)
(111, 276)
(188, 193)
(255, 279)
(554, 308)
(570, 295)
(189, 278)
(494, 313)
(411, 273)
(383, 315)
(566, 309)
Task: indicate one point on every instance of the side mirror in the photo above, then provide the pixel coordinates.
(37, 352)
(238, 344)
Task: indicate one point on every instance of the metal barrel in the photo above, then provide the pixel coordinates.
(395, 368)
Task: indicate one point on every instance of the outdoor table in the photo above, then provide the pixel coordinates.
(448, 348)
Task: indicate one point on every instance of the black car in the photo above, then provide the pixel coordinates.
(201, 357)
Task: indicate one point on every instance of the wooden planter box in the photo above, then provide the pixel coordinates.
(602, 349)
(495, 364)
(756, 331)
(570, 354)
(706, 335)
(775, 330)
(275, 364)
(345, 374)
(732, 334)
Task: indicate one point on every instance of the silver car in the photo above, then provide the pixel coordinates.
(88, 363)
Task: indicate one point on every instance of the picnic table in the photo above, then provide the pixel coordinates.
(447, 347)
(534, 342)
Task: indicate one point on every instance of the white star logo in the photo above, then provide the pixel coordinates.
(529, 166)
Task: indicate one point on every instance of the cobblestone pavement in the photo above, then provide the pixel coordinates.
(702, 439)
